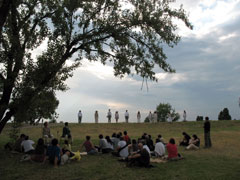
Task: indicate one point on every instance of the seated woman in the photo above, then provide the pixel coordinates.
(172, 150)
(109, 143)
(186, 139)
(40, 151)
(194, 143)
(90, 149)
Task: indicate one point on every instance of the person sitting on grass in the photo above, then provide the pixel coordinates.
(109, 143)
(67, 148)
(90, 149)
(140, 158)
(40, 151)
(115, 139)
(53, 153)
(103, 145)
(172, 150)
(122, 149)
(186, 139)
(161, 139)
(194, 143)
(17, 145)
(149, 142)
(159, 150)
(126, 137)
(27, 145)
(133, 147)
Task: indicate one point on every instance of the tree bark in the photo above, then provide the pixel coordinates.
(6, 118)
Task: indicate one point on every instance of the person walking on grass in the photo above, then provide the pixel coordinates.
(207, 138)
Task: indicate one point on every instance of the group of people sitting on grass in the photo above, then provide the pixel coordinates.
(136, 152)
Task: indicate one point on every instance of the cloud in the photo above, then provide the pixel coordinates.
(207, 78)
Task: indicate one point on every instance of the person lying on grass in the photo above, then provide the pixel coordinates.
(194, 143)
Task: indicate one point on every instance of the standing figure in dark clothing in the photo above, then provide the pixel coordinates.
(186, 139)
(67, 133)
(207, 127)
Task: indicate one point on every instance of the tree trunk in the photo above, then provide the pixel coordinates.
(6, 118)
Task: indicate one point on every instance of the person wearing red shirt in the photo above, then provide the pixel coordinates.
(173, 151)
(126, 137)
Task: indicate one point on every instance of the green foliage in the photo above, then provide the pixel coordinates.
(14, 130)
(199, 118)
(164, 110)
(147, 120)
(131, 39)
(224, 115)
(42, 106)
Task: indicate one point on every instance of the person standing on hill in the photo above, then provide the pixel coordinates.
(109, 116)
(126, 116)
(138, 117)
(184, 116)
(79, 116)
(96, 116)
(207, 127)
(150, 116)
(116, 116)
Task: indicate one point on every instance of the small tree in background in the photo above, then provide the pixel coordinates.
(224, 115)
(163, 110)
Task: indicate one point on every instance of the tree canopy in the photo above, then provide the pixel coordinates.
(164, 110)
(224, 115)
(128, 34)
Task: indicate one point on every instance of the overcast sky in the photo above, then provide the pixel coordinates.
(206, 79)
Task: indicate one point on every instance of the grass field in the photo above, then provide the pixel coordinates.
(222, 161)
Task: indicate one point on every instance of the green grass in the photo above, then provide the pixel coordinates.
(222, 161)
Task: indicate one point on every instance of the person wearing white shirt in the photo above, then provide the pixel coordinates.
(155, 117)
(126, 116)
(159, 149)
(109, 116)
(79, 116)
(122, 146)
(147, 148)
(27, 146)
(138, 117)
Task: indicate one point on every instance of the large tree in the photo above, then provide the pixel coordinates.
(164, 110)
(128, 34)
